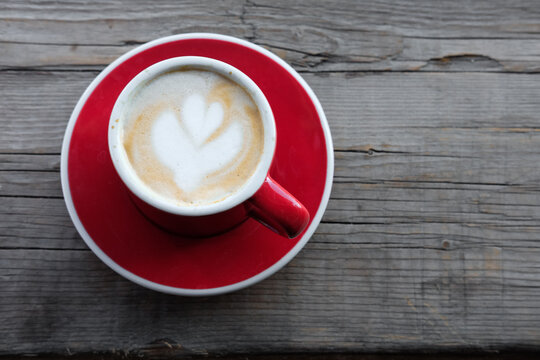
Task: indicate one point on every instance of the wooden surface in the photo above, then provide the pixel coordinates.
(431, 240)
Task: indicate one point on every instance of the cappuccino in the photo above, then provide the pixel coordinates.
(193, 136)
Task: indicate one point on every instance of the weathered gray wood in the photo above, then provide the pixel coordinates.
(412, 54)
(470, 114)
(35, 108)
(416, 215)
(432, 168)
(114, 22)
(394, 35)
(431, 237)
(330, 297)
(35, 184)
(350, 36)
(37, 223)
(29, 162)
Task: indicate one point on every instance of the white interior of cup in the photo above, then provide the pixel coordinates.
(144, 192)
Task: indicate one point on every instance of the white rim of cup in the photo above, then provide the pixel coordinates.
(171, 289)
(136, 185)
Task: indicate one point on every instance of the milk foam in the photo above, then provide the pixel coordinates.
(193, 136)
(186, 154)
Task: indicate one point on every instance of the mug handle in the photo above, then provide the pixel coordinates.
(277, 209)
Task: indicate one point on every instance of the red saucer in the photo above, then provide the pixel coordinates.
(114, 229)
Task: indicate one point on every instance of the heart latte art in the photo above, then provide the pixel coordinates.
(193, 136)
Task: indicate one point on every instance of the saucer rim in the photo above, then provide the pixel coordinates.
(186, 291)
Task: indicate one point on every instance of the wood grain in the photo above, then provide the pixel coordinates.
(445, 114)
(431, 237)
(349, 298)
(434, 220)
(349, 36)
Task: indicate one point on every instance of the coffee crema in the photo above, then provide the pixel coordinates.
(193, 136)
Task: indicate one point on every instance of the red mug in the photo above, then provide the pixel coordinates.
(260, 197)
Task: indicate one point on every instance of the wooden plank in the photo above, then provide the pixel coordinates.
(34, 223)
(494, 19)
(404, 54)
(36, 107)
(382, 35)
(329, 297)
(54, 56)
(29, 162)
(510, 55)
(351, 36)
(478, 208)
(516, 175)
(114, 22)
(162, 350)
(420, 217)
(464, 114)
(33, 184)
